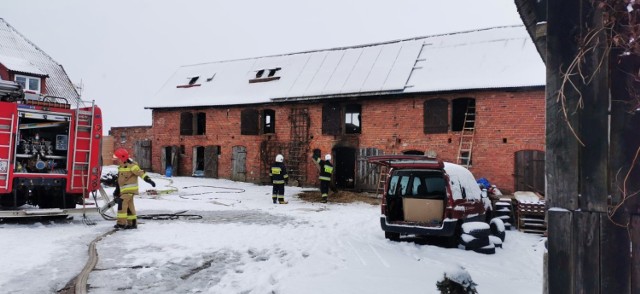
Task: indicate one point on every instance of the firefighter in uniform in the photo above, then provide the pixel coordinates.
(126, 188)
(326, 169)
(279, 177)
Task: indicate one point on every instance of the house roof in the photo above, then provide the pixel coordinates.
(20, 55)
(500, 57)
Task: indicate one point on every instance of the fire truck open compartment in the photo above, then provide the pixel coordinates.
(43, 143)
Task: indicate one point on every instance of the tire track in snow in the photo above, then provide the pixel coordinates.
(357, 253)
(382, 260)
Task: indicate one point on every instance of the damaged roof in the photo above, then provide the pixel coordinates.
(499, 57)
(21, 56)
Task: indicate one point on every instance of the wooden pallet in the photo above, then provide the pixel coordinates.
(531, 217)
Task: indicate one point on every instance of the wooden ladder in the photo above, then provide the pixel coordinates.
(466, 138)
(382, 180)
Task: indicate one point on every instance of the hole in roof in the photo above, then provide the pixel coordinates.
(193, 80)
(211, 78)
(273, 71)
(259, 73)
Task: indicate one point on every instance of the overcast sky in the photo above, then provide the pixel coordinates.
(123, 51)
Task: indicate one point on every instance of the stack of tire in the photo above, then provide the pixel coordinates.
(504, 211)
(482, 237)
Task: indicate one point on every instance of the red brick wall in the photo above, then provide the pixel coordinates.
(506, 122)
(132, 135)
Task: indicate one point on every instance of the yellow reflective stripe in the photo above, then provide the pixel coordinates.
(328, 169)
(121, 215)
(124, 169)
(276, 170)
(132, 217)
(278, 182)
(325, 178)
(143, 175)
(286, 176)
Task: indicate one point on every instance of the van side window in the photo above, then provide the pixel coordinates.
(393, 183)
(404, 184)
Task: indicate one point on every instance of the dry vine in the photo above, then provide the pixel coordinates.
(621, 24)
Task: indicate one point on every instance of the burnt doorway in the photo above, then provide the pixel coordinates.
(169, 157)
(238, 163)
(142, 151)
(197, 161)
(211, 161)
(345, 167)
(529, 171)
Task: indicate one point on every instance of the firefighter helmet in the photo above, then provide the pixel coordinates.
(279, 158)
(327, 157)
(121, 154)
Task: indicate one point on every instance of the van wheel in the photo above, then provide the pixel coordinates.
(392, 236)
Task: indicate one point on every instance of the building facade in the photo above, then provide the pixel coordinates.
(470, 97)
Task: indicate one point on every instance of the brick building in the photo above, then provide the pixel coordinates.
(473, 97)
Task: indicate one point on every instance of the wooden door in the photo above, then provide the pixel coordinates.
(529, 171)
(238, 163)
(367, 174)
(211, 161)
(142, 151)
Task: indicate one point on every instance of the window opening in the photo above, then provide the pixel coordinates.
(436, 119)
(123, 137)
(268, 121)
(186, 124)
(352, 118)
(29, 83)
(331, 119)
(459, 107)
(249, 122)
(201, 123)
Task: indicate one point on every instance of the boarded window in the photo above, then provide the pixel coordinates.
(436, 120)
(331, 119)
(249, 122)
(186, 124)
(352, 119)
(268, 121)
(201, 123)
(461, 109)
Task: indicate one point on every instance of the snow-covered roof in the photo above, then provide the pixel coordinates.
(19, 54)
(500, 57)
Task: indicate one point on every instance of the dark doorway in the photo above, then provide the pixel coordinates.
(529, 171)
(169, 157)
(198, 161)
(211, 161)
(345, 167)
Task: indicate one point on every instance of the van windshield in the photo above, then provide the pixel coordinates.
(417, 184)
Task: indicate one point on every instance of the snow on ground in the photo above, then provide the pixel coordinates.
(246, 244)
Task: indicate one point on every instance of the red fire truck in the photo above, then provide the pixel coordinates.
(50, 150)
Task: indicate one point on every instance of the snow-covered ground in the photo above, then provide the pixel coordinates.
(246, 244)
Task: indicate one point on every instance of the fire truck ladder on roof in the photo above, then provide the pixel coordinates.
(6, 127)
(80, 168)
(466, 138)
